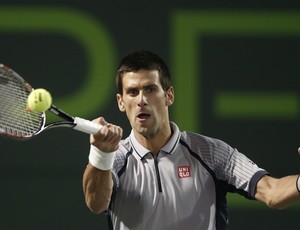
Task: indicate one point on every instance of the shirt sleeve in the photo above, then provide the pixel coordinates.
(237, 169)
(231, 166)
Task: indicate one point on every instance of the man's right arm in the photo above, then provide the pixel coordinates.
(97, 178)
(97, 188)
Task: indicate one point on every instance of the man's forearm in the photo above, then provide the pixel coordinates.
(97, 187)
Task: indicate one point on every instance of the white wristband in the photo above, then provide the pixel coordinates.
(101, 160)
(298, 184)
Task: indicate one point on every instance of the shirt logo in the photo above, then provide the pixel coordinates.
(184, 171)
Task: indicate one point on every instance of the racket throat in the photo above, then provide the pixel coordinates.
(53, 109)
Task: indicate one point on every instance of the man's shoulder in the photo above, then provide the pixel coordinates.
(125, 146)
(193, 139)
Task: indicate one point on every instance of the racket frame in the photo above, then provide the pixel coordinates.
(68, 121)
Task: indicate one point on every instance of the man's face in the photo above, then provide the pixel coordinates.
(145, 102)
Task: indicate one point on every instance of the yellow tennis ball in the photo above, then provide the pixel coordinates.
(39, 100)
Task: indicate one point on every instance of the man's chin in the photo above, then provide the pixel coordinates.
(144, 131)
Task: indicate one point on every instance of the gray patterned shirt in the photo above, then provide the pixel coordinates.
(184, 187)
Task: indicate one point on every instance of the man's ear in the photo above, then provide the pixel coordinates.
(170, 96)
(120, 103)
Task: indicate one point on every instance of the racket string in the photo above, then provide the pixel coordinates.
(14, 119)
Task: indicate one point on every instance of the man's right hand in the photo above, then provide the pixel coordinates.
(108, 137)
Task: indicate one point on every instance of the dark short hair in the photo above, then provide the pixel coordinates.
(143, 59)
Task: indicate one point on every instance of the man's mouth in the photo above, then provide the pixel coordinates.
(143, 116)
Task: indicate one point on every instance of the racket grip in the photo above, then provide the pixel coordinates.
(86, 126)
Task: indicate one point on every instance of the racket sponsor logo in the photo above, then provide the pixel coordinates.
(184, 171)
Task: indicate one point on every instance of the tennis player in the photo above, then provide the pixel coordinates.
(162, 178)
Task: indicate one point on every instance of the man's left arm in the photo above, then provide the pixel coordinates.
(278, 193)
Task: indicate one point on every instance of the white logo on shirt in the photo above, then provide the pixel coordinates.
(184, 171)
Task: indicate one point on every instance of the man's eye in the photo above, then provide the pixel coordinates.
(150, 89)
(132, 92)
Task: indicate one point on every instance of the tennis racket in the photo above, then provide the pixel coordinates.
(16, 122)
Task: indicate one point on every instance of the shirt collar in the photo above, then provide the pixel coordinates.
(169, 147)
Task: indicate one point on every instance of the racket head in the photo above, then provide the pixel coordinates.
(15, 120)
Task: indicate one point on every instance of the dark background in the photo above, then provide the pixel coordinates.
(41, 178)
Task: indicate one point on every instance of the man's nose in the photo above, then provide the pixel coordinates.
(142, 99)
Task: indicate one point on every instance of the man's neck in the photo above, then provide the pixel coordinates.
(156, 142)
